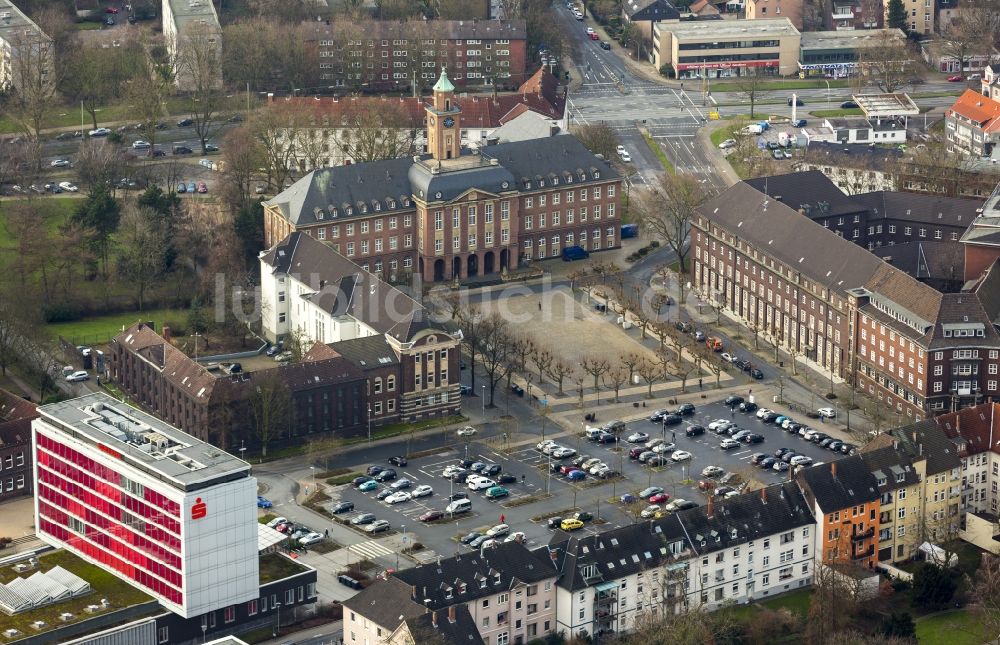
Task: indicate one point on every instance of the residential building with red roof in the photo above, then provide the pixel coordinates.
(973, 124)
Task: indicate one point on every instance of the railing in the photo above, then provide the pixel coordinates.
(867, 553)
(865, 535)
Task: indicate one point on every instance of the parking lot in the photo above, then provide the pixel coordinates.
(596, 496)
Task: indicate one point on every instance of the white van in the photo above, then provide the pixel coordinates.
(459, 506)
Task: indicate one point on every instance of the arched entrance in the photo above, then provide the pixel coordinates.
(438, 270)
(488, 262)
(472, 266)
(456, 268)
(504, 259)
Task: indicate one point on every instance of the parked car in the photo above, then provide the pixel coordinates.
(651, 510)
(659, 498)
(571, 524)
(506, 478)
(363, 520)
(828, 413)
(467, 431)
(496, 492)
(398, 497)
(342, 507)
(727, 444)
(263, 502)
(733, 400)
(357, 481)
(712, 471)
(798, 102)
(685, 409)
(694, 431)
(60, 163)
(311, 538)
(849, 105)
(681, 455)
(68, 187)
(728, 143)
(377, 526)
(79, 375)
(181, 187)
(401, 484)
(386, 475)
(99, 132)
(747, 407)
(183, 123)
(431, 516)
(182, 150)
(638, 437)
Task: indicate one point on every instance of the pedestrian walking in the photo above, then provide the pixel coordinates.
(699, 384)
(326, 533)
(539, 306)
(673, 435)
(522, 479)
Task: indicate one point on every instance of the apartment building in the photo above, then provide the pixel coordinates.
(452, 213)
(338, 126)
(973, 431)
(508, 592)
(920, 16)
(839, 52)
(327, 391)
(16, 473)
(935, 457)
(972, 124)
(766, 9)
(383, 55)
(900, 484)
(194, 42)
(410, 364)
(730, 551)
(26, 53)
(644, 13)
(156, 507)
(726, 49)
(844, 497)
(853, 15)
(839, 307)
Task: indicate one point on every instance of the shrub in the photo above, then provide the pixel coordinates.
(176, 328)
(654, 244)
(62, 312)
(933, 586)
(667, 70)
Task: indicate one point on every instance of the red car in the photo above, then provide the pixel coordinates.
(111, 10)
(202, 188)
(594, 36)
(659, 498)
(430, 516)
(567, 469)
(957, 78)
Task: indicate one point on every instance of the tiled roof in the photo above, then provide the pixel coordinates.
(469, 576)
(980, 109)
(973, 430)
(386, 603)
(922, 440)
(441, 629)
(342, 287)
(840, 484)
(16, 415)
(912, 295)
(891, 468)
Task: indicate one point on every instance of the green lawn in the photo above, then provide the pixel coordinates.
(837, 112)
(275, 566)
(53, 210)
(796, 84)
(658, 151)
(797, 602)
(954, 628)
(100, 329)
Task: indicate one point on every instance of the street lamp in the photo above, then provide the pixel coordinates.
(482, 388)
(277, 627)
(243, 449)
(403, 546)
(369, 423)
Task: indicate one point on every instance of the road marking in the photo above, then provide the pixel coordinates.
(370, 549)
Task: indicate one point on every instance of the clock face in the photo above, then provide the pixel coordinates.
(448, 122)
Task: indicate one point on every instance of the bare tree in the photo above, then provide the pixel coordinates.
(599, 139)
(270, 406)
(277, 128)
(595, 367)
(964, 37)
(667, 212)
(495, 343)
(146, 94)
(370, 132)
(98, 163)
(243, 156)
(199, 64)
(885, 62)
(649, 371)
(753, 87)
(542, 359)
(615, 378)
(631, 362)
(32, 79)
(558, 371)
(141, 245)
(986, 595)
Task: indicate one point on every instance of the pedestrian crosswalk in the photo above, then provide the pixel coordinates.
(370, 549)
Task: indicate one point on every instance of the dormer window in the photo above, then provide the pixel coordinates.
(569, 179)
(392, 203)
(597, 174)
(541, 182)
(555, 181)
(527, 185)
(378, 206)
(350, 210)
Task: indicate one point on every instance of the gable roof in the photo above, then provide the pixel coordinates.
(981, 110)
(593, 559)
(780, 231)
(743, 518)
(973, 430)
(923, 440)
(840, 484)
(340, 287)
(386, 603)
(810, 191)
(920, 207)
(16, 415)
(440, 627)
(891, 468)
(367, 352)
(655, 10)
(440, 584)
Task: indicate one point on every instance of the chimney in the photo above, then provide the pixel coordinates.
(711, 507)
(451, 614)
(914, 435)
(166, 333)
(833, 468)
(763, 495)
(413, 592)
(434, 619)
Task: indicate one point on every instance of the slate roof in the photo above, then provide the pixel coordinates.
(922, 440)
(16, 415)
(809, 190)
(853, 155)
(655, 10)
(920, 207)
(341, 287)
(462, 631)
(973, 430)
(923, 260)
(619, 552)
(386, 603)
(840, 484)
(367, 352)
(776, 228)
(439, 584)
(887, 465)
(987, 289)
(333, 194)
(730, 522)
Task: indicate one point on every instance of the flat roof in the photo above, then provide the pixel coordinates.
(12, 20)
(884, 105)
(143, 442)
(186, 12)
(846, 39)
(724, 29)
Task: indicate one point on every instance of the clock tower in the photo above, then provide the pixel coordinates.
(444, 130)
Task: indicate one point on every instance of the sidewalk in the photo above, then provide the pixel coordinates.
(719, 161)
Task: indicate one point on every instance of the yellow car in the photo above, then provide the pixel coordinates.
(571, 525)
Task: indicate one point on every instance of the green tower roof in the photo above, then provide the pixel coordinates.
(443, 84)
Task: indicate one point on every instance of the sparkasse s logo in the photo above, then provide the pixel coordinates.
(199, 509)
